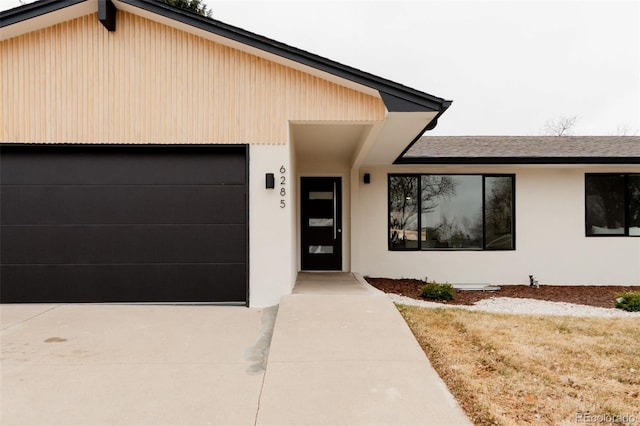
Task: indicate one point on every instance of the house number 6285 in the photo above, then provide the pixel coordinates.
(283, 190)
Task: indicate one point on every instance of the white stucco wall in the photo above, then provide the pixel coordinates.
(272, 250)
(274, 241)
(550, 234)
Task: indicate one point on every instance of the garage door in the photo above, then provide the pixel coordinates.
(123, 223)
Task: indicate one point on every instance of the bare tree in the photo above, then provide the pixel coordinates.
(498, 209)
(560, 126)
(624, 130)
(403, 201)
(434, 187)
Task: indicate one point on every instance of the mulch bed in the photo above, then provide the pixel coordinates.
(591, 295)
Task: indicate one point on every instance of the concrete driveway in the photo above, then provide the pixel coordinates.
(336, 353)
(132, 364)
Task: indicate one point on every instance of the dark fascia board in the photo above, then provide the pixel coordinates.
(402, 97)
(518, 160)
(397, 104)
(32, 10)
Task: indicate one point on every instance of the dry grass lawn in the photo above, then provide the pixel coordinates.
(526, 369)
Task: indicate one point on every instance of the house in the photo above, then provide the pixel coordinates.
(153, 155)
(496, 209)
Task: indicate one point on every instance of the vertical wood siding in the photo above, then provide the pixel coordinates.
(146, 82)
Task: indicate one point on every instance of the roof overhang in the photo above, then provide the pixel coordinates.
(392, 137)
(42, 14)
(359, 144)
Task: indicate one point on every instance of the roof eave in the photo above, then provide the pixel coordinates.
(516, 160)
(32, 10)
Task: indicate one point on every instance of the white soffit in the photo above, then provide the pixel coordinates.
(327, 142)
(397, 132)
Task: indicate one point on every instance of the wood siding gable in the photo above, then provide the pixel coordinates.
(76, 82)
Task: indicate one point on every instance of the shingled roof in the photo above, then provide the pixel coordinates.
(523, 150)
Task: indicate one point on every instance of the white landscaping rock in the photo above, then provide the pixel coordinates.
(511, 305)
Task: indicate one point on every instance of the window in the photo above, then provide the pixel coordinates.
(451, 212)
(403, 212)
(612, 204)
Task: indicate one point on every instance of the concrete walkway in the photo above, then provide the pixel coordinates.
(341, 354)
(336, 352)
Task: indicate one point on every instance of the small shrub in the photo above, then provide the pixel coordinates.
(438, 291)
(629, 301)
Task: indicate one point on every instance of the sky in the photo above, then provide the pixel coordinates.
(510, 67)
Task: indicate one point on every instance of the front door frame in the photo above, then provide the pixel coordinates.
(338, 259)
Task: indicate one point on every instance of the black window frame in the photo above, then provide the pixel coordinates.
(483, 195)
(626, 203)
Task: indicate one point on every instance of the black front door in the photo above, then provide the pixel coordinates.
(321, 226)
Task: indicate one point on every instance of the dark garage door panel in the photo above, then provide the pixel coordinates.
(116, 283)
(123, 165)
(91, 204)
(89, 244)
(123, 223)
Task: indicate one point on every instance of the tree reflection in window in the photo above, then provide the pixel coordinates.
(605, 204)
(634, 205)
(498, 212)
(452, 212)
(612, 204)
(403, 212)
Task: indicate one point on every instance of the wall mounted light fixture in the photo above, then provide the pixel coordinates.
(270, 181)
(367, 178)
